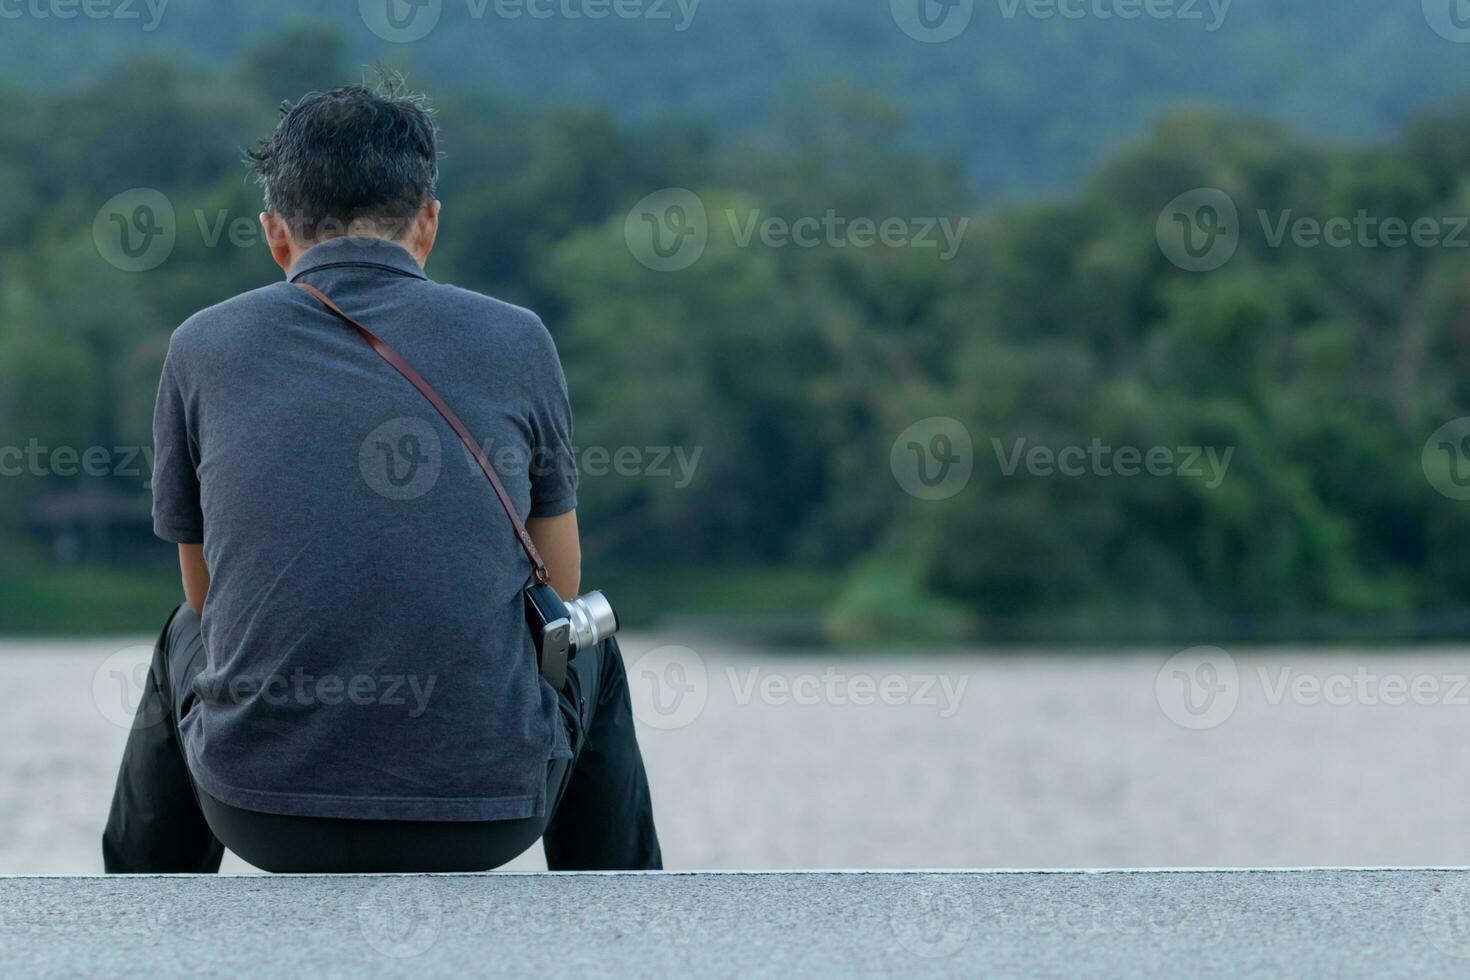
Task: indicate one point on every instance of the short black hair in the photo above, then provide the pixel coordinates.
(352, 155)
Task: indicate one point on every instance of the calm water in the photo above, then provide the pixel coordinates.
(767, 761)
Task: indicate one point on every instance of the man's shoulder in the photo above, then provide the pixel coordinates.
(215, 324)
(488, 309)
(493, 325)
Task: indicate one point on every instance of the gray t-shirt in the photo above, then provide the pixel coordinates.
(367, 649)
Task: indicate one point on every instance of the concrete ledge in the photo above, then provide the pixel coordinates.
(1329, 923)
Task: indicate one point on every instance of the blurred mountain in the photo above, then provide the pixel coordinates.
(1025, 99)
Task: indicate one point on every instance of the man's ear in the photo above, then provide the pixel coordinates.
(278, 237)
(424, 232)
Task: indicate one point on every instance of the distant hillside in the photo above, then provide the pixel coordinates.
(1028, 103)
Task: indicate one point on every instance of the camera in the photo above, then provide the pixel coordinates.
(561, 629)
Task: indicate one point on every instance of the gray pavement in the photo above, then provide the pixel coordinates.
(1327, 923)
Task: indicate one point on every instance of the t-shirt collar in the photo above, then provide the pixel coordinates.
(356, 250)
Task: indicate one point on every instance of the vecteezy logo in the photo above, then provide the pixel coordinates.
(1449, 18)
(1446, 459)
(933, 458)
(670, 926)
(1199, 230)
(401, 458)
(401, 917)
(135, 231)
(400, 21)
(1198, 688)
(119, 686)
(932, 21)
(933, 918)
(669, 687)
(667, 230)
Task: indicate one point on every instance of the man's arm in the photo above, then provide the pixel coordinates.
(196, 575)
(560, 545)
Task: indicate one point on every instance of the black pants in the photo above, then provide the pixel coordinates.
(599, 815)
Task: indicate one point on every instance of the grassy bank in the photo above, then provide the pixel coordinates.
(36, 600)
(40, 601)
(875, 606)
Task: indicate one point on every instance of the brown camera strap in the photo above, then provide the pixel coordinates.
(390, 355)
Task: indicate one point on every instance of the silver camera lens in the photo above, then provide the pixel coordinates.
(593, 620)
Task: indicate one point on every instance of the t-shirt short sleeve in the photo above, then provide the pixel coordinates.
(177, 515)
(553, 462)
